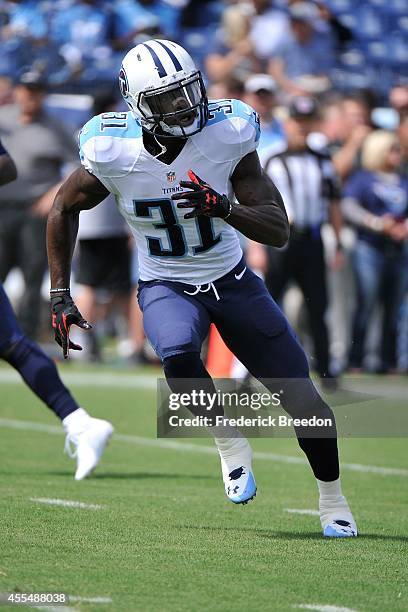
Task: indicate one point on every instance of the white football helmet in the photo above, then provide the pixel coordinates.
(163, 88)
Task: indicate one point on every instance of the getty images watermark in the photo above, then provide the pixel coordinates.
(278, 407)
(208, 402)
(192, 408)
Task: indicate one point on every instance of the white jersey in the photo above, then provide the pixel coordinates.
(193, 251)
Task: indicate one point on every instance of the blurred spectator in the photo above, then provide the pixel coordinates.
(104, 262)
(269, 29)
(330, 23)
(168, 13)
(23, 26)
(195, 13)
(309, 187)
(331, 129)
(303, 61)
(399, 99)
(6, 90)
(235, 59)
(25, 20)
(228, 88)
(103, 270)
(345, 124)
(376, 201)
(252, 31)
(83, 30)
(39, 147)
(235, 21)
(260, 90)
(131, 19)
(403, 138)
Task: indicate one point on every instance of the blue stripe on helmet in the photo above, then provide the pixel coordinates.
(174, 59)
(156, 59)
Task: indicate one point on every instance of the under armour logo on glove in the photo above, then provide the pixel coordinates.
(203, 199)
(64, 313)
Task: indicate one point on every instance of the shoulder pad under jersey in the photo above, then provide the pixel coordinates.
(232, 131)
(110, 144)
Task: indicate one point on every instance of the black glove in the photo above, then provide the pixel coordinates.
(64, 313)
(203, 199)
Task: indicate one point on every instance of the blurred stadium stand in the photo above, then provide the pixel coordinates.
(78, 43)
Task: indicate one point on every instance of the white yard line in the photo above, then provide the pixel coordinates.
(132, 380)
(93, 379)
(302, 511)
(67, 503)
(55, 608)
(72, 599)
(324, 608)
(95, 600)
(206, 450)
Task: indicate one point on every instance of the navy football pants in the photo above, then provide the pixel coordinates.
(36, 368)
(254, 328)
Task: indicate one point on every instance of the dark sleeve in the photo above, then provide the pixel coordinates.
(2, 149)
(355, 187)
(331, 183)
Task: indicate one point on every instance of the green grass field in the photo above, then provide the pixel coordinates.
(165, 538)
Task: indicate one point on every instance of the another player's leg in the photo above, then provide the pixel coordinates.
(176, 326)
(88, 436)
(312, 281)
(267, 346)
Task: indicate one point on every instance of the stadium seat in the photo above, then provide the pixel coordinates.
(369, 23)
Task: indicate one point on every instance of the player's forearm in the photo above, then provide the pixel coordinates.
(266, 223)
(260, 214)
(62, 228)
(80, 191)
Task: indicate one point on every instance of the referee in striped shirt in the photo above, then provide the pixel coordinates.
(309, 187)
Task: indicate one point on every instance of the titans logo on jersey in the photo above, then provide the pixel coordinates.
(194, 251)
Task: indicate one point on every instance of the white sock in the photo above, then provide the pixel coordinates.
(224, 432)
(232, 446)
(332, 504)
(329, 489)
(76, 422)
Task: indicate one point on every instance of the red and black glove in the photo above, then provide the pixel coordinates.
(203, 199)
(64, 313)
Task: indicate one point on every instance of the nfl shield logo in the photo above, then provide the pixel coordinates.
(171, 176)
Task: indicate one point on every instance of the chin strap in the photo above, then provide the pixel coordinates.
(163, 148)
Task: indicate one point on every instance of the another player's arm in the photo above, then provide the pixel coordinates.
(260, 214)
(8, 170)
(80, 191)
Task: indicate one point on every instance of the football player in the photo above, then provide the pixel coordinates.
(86, 436)
(176, 162)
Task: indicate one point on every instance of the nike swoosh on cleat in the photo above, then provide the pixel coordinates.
(241, 274)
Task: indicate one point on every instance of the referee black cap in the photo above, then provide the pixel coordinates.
(303, 107)
(32, 79)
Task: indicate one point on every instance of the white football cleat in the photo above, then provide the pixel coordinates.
(336, 517)
(236, 465)
(89, 444)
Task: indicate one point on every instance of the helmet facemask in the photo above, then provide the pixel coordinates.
(179, 110)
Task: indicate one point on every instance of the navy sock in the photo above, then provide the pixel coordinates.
(41, 375)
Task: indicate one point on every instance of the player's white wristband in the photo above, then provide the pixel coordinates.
(229, 210)
(64, 290)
